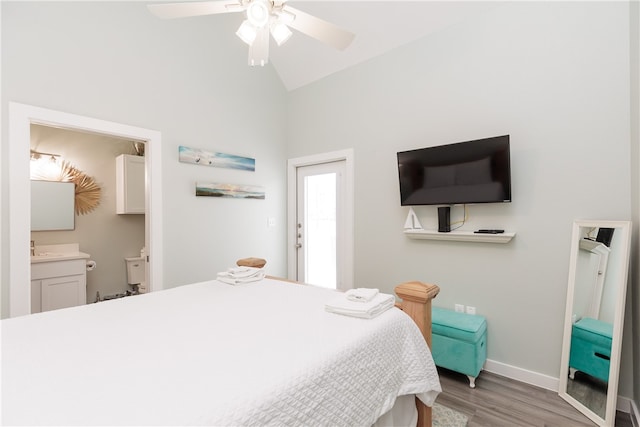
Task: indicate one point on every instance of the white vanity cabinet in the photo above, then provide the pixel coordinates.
(130, 188)
(58, 284)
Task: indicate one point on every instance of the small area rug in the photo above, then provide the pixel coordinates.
(447, 417)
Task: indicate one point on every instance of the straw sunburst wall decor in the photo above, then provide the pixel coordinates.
(88, 192)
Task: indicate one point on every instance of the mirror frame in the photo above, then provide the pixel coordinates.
(623, 229)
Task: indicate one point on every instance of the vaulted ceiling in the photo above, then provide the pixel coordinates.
(379, 27)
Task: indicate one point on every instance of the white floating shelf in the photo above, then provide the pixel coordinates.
(460, 236)
(593, 246)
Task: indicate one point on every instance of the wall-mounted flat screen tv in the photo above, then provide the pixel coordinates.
(477, 171)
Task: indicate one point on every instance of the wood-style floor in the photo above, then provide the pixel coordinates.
(499, 401)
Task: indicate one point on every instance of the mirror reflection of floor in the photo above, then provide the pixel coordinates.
(589, 391)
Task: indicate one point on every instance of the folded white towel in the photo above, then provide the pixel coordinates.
(240, 275)
(367, 310)
(239, 272)
(361, 294)
(233, 281)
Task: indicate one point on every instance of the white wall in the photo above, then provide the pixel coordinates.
(186, 78)
(555, 76)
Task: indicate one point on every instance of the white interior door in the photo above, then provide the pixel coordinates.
(321, 221)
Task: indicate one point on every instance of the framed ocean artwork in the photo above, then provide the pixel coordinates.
(197, 156)
(235, 191)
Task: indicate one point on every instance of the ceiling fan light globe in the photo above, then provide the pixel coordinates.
(258, 13)
(247, 32)
(285, 16)
(280, 33)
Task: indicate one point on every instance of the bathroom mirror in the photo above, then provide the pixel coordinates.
(598, 269)
(52, 205)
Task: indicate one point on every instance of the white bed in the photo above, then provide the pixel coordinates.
(264, 353)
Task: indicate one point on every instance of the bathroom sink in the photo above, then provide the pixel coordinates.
(49, 253)
(53, 256)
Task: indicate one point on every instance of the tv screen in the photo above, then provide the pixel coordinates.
(477, 171)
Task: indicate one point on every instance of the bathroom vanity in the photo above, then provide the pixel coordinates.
(58, 277)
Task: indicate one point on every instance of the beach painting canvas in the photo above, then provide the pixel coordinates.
(235, 191)
(197, 156)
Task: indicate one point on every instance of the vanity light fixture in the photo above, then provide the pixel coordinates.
(36, 155)
(45, 166)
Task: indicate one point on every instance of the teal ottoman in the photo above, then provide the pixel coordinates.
(591, 348)
(459, 342)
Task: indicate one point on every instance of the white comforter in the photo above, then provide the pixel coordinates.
(264, 353)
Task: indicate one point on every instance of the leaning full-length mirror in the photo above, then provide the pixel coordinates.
(598, 269)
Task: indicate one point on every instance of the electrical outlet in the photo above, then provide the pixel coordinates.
(471, 310)
(459, 308)
(271, 222)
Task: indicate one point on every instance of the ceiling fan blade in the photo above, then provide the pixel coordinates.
(183, 10)
(259, 49)
(319, 29)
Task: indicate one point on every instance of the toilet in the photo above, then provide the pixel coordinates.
(136, 274)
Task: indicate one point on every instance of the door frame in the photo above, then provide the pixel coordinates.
(21, 116)
(348, 239)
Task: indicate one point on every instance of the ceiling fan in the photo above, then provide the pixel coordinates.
(263, 17)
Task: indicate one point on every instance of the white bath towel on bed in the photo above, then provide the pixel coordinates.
(361, 294)
(240, 275)
(367, 310)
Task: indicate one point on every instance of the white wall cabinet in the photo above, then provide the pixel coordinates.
(58, 284)
(130, 186)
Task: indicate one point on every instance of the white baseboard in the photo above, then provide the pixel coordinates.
(624, 404)
(523, 375)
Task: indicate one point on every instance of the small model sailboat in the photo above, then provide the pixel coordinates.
(412, 222)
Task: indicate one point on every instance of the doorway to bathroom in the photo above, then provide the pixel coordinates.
(91, 161)
(21, 119)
